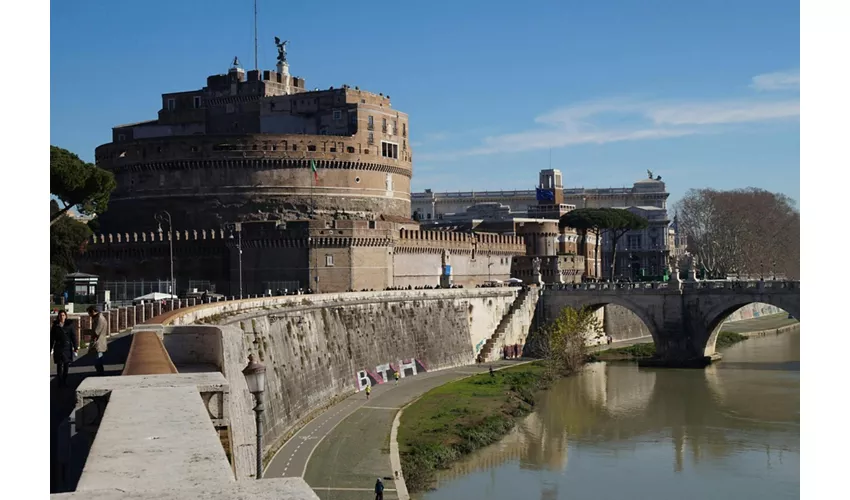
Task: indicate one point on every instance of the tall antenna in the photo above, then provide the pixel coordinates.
(256, 66)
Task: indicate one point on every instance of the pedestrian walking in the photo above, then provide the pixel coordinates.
(368, 391)
(379, 490)
(397, 376)
(99, 330)
(63, 346)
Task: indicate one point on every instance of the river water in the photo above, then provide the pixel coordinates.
(618, 431)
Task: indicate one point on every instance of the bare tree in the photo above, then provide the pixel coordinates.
(745, 231)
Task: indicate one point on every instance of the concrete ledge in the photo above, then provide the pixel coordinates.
(267, 489)
(205, 382)
(93, 394)
(153, 438)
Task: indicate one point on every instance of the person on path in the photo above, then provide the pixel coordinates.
(368, 391)
(63, 346)
(397, 376)
(379, 490)
(99, 330)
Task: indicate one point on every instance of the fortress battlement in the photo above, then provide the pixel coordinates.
(462, 243)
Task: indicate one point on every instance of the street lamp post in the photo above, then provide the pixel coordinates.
(237, 228)
(161, 217)
(255, 377)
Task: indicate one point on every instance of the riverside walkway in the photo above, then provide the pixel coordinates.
(341, 452)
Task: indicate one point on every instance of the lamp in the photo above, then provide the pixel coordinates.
(255, 377)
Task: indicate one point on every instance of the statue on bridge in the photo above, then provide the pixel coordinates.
(535, 271)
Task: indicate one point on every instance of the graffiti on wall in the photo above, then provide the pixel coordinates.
(385, 372)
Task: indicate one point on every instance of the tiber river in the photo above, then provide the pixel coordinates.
(618, 431)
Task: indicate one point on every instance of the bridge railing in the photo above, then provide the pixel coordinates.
(685, 285)
(648, 285)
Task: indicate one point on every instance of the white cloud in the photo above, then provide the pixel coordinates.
(780, 80)
(622, 119)
(723, 112)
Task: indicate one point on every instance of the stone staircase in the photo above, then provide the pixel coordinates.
(525, 295)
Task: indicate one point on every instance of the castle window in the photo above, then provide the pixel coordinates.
(384, 125)
(311, 147)
(197, 101)
(329, 260)
(172, 105)
(357, 180)
(371, 138)
(337, 114)
(295, 147)
(404, 130)
(333, 150)
(389, 150)
(371, 123)
(254, 147)
(120, 137)
(373, 224)
(350, 149)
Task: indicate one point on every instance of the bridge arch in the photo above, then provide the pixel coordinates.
(715, 316)
(557, 301)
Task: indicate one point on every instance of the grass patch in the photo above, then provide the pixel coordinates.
(636, 351)
(725, 339)
(460, 417)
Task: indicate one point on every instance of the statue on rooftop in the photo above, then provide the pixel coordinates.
(649, 173)
(281, 49)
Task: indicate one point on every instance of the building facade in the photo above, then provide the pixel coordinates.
(649, 192)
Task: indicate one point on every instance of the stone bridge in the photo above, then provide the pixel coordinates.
(684, 319)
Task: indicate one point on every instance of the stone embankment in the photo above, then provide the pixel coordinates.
(320, 348)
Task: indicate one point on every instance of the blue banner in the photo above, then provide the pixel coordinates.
(545, 195)
(447, 270)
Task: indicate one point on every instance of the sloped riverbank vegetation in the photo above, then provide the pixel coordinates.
(647, 350)
(460, 417)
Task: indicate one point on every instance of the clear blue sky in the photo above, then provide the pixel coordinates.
(705, 94)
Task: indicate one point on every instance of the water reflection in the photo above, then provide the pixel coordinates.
(736, 422)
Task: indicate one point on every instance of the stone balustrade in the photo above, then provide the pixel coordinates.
(715, 285)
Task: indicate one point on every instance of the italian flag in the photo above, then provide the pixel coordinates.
(315, 172)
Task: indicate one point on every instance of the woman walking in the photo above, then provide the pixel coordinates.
(63, 346)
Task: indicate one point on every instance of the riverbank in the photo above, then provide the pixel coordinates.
(730, 334)
(460, 417)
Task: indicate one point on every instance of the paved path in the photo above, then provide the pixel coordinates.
(345, 449)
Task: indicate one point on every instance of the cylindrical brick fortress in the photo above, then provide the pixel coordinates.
(206, 180)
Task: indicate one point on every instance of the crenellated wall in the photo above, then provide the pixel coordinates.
(345, 255)
(474, 257)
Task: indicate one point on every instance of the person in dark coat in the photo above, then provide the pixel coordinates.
(63, 346)
(379, 490)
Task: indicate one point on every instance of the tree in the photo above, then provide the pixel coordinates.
(744, 231)
(619, 222)
(76, 183)
(563, 342)
(585, 220)
(67, 240)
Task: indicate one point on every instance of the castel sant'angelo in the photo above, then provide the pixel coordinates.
(274, 186)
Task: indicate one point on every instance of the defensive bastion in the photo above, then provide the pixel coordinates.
(316, 348)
